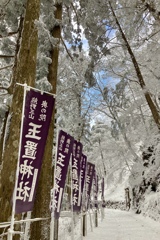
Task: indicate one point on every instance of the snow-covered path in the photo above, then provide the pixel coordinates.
(123, 225)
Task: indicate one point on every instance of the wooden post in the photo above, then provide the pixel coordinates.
(84, 224)
(96, 218)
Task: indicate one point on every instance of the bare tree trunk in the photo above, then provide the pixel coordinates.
(149, 100)
(24, 72)
(41, 230)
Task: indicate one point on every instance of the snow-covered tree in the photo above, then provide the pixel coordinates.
(123, 40)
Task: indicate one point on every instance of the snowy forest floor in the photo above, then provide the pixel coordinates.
(123, 225)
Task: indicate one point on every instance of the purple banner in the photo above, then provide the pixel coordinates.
(37, 117)
(64, 150)
(83, 173)
(83, 170)
(95, 189)
(89, 179)
(76, 165)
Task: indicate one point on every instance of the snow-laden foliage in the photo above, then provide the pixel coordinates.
(10, 13)
(73, 102)
(99, 99)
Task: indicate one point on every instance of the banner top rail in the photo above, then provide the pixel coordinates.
(36, 89)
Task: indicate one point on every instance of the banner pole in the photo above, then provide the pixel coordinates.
(84, 207)
(96, 217)
(79, 204)
(90, 220)
(52, 227)
(72, 222)
(81, 214)
(52, 212)
(36, 89)
(11, 229)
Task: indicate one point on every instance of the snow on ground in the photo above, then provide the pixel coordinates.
(123, 225)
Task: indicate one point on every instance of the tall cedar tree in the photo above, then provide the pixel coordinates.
(24, 72)
(41, 230)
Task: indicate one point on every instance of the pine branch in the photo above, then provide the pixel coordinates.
(152, 9)
(8, 66)
(6, 3)
(10, 34)
(67, 49)
(7, 56)
(122, 76)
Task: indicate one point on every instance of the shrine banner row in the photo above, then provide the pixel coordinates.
(83, 175)
(37, 114)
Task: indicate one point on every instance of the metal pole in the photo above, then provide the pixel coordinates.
(52, 204)
(80, 204)
(36, 89)
(90, 220)
(72, 220)
(52, 227)
(81, 229)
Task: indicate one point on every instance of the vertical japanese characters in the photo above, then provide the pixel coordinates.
(95, 189)
(89, 180)
(64, 150)
(37, 114)
(82, 179)
(37, 117)
(76, 183)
